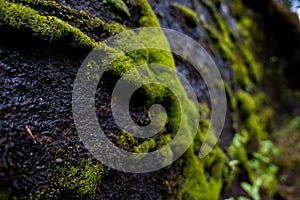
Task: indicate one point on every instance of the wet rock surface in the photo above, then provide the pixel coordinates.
(36, 91)
(36, 83)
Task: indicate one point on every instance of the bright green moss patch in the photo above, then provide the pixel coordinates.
(254, 126)
(190, 16)
(245, 103)
(148, 18)
(203, 177)
(125, 141)
(81, 181)
(76, 181)
(80, 19)
(48, 29)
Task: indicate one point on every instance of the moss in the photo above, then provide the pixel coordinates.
(230, 96)
(148, 18)
(245, 103)
(203, 177)
(125, 141)
(240, 75)
(46, 28)
(76, 181)
(254, 69)
(255, 126)
(199, 184)
(118, 6)
(219, 21)
(190, 16)
(146, 146)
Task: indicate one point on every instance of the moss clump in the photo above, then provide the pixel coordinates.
(81, 181)
(203, 177)
(245, 103)
(190, 16)
(77, 181)
(126, 141)
(47, 28)
(146, 146)
(119, 6)
(148, 18)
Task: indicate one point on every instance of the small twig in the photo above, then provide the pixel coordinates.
(30, 134)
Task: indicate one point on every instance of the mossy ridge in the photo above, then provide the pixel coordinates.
(94, 27)
(47, 28)
(246, 70)
(190, 15)
(160, 94)
(247, 74)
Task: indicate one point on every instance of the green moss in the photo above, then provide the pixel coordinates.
(255, 126)
(254, 69)
(146, 146)
(81, 181)
(190, 16)
(240, 75)
(203, 177)
(125, 141)
(231, 98)
(245, 103)
(148, 18)
(49, 29)
(93, 26)
(77, 181)
(219, 21)
(118, 6)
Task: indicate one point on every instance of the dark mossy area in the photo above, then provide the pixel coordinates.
(255, 45)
